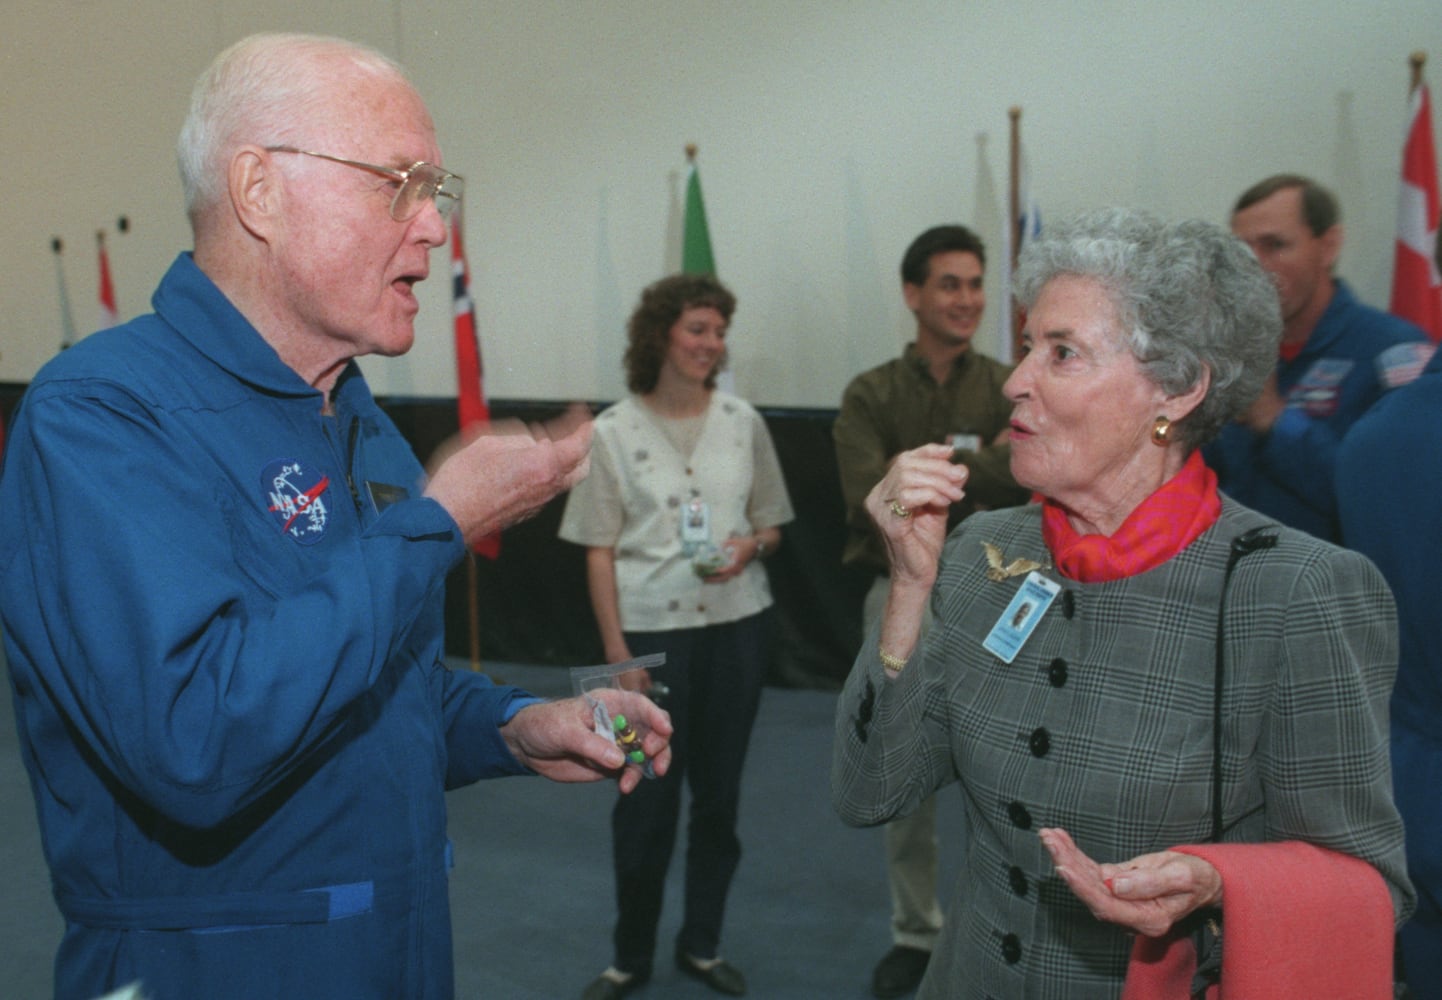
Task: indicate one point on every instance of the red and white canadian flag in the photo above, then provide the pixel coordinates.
(1416, 284)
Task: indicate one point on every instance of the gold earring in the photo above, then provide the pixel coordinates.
(1161, 431)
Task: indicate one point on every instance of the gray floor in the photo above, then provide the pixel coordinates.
(532, 890)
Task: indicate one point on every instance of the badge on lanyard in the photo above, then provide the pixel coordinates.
(1021, 616)
(695, 525)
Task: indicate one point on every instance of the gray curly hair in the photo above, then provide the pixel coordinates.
(1191, 299)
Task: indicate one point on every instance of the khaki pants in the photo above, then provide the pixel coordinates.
(911, 841)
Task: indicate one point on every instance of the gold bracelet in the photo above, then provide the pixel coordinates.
(892, 663)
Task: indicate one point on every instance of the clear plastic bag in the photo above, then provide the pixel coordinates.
(586, 681)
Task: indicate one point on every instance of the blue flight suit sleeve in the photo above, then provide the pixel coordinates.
(475, 711)
(198, 673)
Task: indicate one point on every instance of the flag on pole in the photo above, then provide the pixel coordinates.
(1028, 223)
(67, 318)
(696, 257)
(1416, 283)
(109, 315)
(472, 410)
(1022, 226)
(1006, 301)
(471, 405)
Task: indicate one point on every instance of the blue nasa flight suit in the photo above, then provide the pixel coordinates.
(1344, 367)
(1389, 491)
(223, 619)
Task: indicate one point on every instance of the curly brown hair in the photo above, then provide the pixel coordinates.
(648, 331)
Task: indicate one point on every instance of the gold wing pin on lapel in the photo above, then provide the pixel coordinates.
(997, 572)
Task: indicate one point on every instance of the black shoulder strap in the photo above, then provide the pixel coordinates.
(1244, 544)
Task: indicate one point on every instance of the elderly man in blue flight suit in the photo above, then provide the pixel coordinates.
(222, 573)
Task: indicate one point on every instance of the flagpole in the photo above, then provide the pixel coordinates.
(67, 318)
(473, 608)
(1013, 223)
(469, 414)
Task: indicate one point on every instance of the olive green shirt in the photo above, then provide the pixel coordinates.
(898, 406)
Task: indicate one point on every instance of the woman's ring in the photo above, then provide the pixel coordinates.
(898, 510)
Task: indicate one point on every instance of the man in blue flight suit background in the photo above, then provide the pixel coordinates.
(1338, 356)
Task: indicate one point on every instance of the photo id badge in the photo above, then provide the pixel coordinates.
(695, 525)
(965, 442)
(1016, 623)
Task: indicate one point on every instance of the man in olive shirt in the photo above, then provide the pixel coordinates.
(939, 390)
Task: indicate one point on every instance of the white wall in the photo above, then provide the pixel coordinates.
(830, 133)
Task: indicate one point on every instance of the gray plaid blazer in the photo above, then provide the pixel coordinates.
(1102, 725)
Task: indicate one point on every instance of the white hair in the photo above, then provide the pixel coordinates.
(1191, 298)
(263, 90)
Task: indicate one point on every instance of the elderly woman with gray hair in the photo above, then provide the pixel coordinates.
(1134, 664)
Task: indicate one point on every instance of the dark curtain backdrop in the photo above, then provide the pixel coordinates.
(532, 605)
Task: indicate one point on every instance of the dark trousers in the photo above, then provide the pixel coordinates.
(715, 674)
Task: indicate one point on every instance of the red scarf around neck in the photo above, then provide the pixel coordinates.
(1162, 525)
